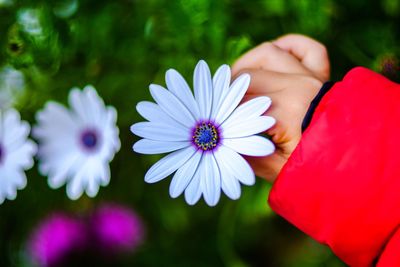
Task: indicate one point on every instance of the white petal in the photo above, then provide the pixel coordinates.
(231, 187)
(93, 176)
(11, 128)
(153, 113)
(22, 156)
(172, 105)
(112, 115)
(251, 146)
(105, 175)
(235, 164)
(11, 193)
(168, 164)
(203, 88)
(210, 180)
(179, 87)
(53, 155)
(77, 100)
(20, 180)
(248, 127)
(16, 136)
(193, 190)
(110, 131)
(78, 182)
(75, 187)
(12, 179)
(233, 98)
(92, 188)
(160, 131)
(95, 104)
(251, 109)
(184, 175)
(221, 81)
(146, 146)
(58, 177)
(229, 184)
(55, 121)
(10, 118)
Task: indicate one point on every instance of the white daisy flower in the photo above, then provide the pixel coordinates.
(77, 145)
(16, 153)
(205, 133)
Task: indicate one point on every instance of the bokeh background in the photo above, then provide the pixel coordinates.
(120, 47)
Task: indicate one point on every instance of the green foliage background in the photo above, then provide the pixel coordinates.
(121, 47)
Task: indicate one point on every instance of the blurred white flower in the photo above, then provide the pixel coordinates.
(76, 146)
(65, 8)
(29, 19)
(206, 133)
(6, 3)
(12, 84)
(16, 153)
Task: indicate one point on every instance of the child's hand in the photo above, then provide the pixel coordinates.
(290, 70)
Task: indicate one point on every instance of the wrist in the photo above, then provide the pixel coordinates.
(314, 103)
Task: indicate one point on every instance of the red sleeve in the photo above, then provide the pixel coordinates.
(341, 185)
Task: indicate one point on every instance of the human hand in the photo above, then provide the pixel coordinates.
(289, 70)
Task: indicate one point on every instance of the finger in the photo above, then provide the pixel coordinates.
(271, 84)
(265, 81)
(310, 52)
(289, 105)
(269, 57)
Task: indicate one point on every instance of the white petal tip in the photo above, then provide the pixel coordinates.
(170, 72)
(73, 197)
(250, 183)
(267, 100)
(234, 197)
(173, 194)
(93, 193)
(154, 86)
(150, 179)
(191, 203)
(273, 121)
(212, 204)
(133, 128)
(245, 76)
(190, 200)
(89, 88)
(139, 105)
(133, 148)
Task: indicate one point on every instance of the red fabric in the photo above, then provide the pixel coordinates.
(390, 255)
(342, 183)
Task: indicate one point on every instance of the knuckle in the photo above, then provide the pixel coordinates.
(322, 50)
(311, 81)
(268, 47)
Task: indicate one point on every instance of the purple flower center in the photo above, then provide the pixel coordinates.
(205, 136)
(89, 139)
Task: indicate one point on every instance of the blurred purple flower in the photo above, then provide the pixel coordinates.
(116, 228)
(56, 237)
(389, 66)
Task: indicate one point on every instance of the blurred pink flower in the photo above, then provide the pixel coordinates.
(116, 228)
(55, 237)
